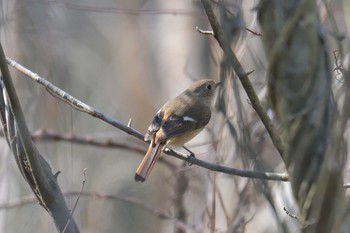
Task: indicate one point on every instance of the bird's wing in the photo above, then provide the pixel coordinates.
(154, 126)
(179, 125)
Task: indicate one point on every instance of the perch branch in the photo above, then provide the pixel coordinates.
(228, 170)
(79, 105)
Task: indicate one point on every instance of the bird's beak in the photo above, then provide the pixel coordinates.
(218, 84)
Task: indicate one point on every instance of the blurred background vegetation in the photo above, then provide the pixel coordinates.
(126, 58)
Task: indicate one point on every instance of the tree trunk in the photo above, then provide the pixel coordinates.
(300, 91)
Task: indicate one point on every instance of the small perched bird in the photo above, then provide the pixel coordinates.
(178, 121)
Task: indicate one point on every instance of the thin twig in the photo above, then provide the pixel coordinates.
(52, 135)
(123, 11)
(253, 32)
(211, 33)
(290, 214)
(76, 202)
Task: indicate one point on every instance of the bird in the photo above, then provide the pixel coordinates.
(178, 121)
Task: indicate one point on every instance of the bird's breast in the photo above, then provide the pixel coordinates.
(182, 139)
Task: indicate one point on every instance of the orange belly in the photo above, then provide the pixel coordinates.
(182, 139)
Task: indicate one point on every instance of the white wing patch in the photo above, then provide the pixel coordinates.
(187, 118)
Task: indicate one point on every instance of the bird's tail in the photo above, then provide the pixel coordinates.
(146, 165)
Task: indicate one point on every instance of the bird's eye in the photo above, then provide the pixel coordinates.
(209, 87)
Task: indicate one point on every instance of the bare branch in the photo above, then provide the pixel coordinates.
(52, 135)
(253, 32)
(32, 165)
(76, 202)
(228, 170)
(102, 196)
(75, 103)
(243, 77)
(79, 105)
(211, 33)
(290, 214)
(124, 11)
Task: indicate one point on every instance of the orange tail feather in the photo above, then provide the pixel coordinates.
(146, 165)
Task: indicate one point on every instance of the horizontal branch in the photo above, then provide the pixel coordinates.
(228, 170)
(52, 135)
(79, 105)
(102, 196)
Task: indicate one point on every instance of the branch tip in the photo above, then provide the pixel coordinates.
(253, 32)
(56, 174)
(290, 214)
(249, 72)
(211, 33)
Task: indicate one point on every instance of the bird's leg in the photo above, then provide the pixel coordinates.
(191, 155)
